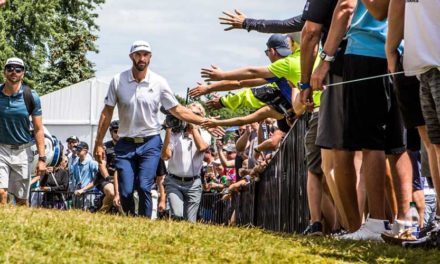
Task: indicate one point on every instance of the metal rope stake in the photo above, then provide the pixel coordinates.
(363, 79)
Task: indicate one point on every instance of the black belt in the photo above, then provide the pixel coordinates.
(137, 140)
(185, 179)
(17, 147)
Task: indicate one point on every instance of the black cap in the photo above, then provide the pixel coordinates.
(114, 125)
(81, 145)
(72, 138)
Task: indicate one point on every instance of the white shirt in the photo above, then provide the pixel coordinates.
(186, 160)
(422, 37)
(139, 103)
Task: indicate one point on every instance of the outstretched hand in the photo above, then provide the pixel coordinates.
(210, 123)
(199, 90)
(233, 20)
(214, 102)
(212, 74)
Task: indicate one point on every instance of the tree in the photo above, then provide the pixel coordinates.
(53, 37)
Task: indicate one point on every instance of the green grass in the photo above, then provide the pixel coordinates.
(49, 236)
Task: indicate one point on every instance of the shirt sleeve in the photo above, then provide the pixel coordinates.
(111, 98)
(279, 68)
(290, 25)
(37, 104)
(318, 11)
(167, 98)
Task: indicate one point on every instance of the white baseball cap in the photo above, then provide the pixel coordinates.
(140, 45)
(14, 61)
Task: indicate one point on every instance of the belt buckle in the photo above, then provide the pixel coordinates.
(15, 147)
(138, 140)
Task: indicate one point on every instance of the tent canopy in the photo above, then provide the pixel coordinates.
(75, 110)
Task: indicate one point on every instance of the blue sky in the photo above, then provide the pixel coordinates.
(185, 36)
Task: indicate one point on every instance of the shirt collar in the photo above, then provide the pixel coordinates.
(145, 80)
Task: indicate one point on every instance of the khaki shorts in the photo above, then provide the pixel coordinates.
(15, 170)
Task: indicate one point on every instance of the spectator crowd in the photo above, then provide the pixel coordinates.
(370, 100)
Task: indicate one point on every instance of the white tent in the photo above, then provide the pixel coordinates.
(75, 110)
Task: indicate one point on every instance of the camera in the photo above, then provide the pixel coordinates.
(173, 122)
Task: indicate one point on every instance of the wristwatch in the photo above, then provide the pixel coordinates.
(42, 158)
(325, 57)
(303, 86)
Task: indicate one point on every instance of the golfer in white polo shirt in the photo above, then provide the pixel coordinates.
(138, 93)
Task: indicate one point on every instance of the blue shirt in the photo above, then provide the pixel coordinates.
(366, 35)
(14, 117)
(84, 172)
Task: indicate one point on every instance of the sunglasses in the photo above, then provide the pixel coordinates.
(266, 52)
(17, 69)
(196, 113)
(115, 131)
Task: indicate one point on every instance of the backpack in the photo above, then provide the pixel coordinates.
(28, 98)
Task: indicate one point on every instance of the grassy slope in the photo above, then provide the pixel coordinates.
(45, 236)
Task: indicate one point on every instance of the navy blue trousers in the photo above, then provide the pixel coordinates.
(137, 164)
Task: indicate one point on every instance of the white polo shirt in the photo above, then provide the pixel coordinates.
(139, 103)
(186, 160)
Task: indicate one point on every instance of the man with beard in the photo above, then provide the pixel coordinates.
(138, 93)
(17, 103)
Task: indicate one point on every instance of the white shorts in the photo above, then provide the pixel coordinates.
(15, 170)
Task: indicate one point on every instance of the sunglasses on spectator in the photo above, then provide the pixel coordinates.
(115, 131)
(266, 52)
(11, 68)
(197, 113)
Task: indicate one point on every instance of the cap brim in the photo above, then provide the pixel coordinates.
(284, 51)
(141, 49)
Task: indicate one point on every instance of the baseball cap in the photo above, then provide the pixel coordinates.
(114, 125)
(230, 148)
(140, 45)
(72, 138)
(280, 43)
(81, 145)
(14, 61)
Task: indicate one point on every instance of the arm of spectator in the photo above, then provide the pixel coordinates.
(396, 15)
(104, 123)
(237, 185)
(272, 143)
(289, 25)
(224, 86)
(216, 74)
(2, 3)
(260, 114)
(117, 198)
(201, 145)
(377, 8)
(166, 151)
(89, 186)
(243, 140)
(221, 154)
(310, 37)
(162, 196)
(340, 23)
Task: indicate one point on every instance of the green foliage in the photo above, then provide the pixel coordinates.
(52, 37)
(52, 236)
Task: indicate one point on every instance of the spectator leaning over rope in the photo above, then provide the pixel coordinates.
(138, 92)
(184, 151)
(56, 181)
(17, 103)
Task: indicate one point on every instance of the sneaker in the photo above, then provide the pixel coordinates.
(371, 230)
(314, 229)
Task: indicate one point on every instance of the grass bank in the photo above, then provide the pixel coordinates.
(48, 236)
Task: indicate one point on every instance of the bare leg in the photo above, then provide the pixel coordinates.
(360, 189)
(401, 168)
(3, 196)
(340, 173)
(314, 196)
(374, 170)
(391, 207)
(419, 198)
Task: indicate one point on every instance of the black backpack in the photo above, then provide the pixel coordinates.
(28, 98)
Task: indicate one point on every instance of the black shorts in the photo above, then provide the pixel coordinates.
(331, 116)
(371, 117)
(407, 91)
(100, 184)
